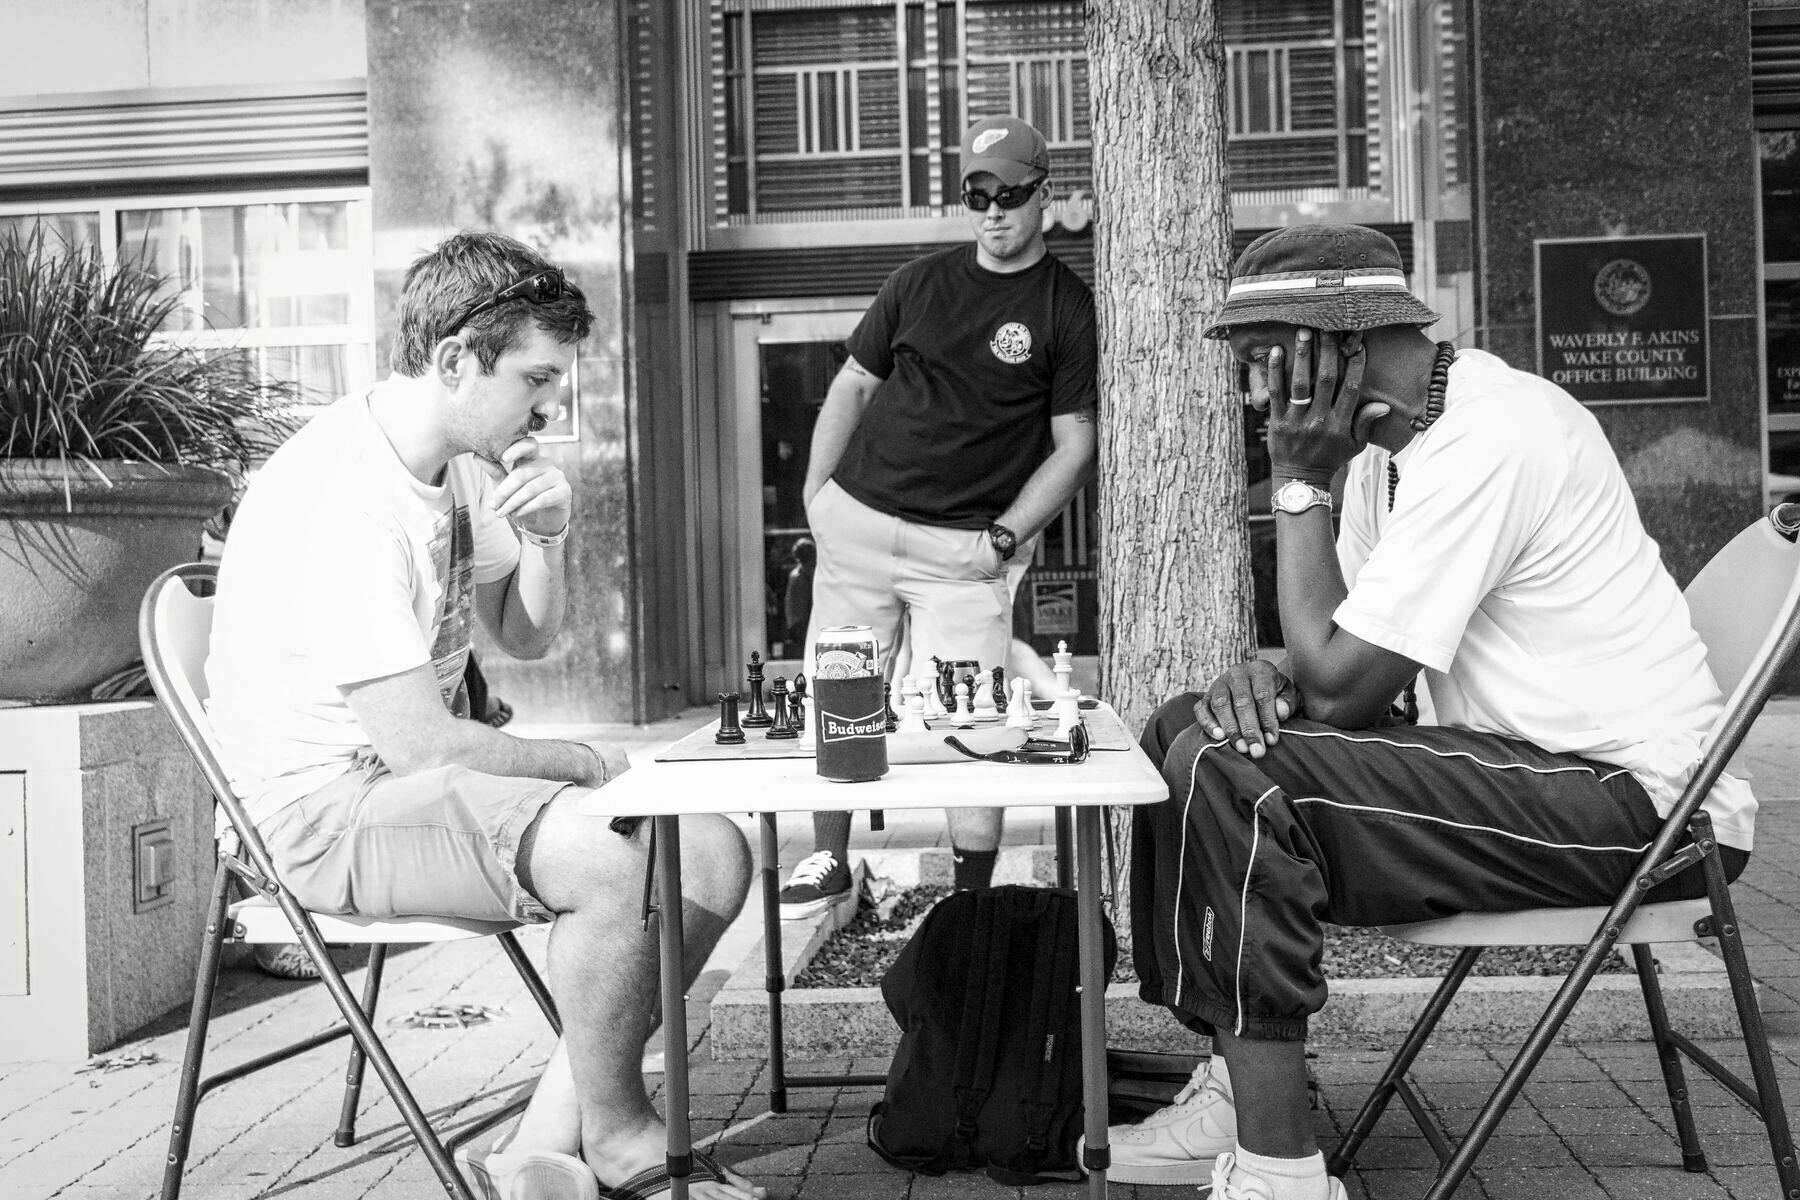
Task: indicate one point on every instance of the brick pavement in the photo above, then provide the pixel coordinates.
(1594, 1123)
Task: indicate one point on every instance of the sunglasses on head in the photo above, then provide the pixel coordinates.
(545, 286)
(1034, 750)
(1006, 197)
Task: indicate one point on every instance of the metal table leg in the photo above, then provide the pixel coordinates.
(774, 979)
(1096, 1156)
(674, 1006)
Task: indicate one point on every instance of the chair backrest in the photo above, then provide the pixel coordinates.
(174, 633)
(1740, 604)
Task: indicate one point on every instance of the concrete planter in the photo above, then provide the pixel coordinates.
(76, 553)
(1497, 1010)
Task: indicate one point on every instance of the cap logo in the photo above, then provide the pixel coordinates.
(986, 139)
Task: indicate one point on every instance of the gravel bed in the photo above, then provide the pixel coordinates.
(860, 953)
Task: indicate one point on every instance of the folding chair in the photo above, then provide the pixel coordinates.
(174, 628)
(1745, 606)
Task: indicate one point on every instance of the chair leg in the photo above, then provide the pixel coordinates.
(206, 982)
(534, 983)
(353, 1074)
(1693, 1157)
(1756, 1036)
(364, 1032)
(1345, 1155)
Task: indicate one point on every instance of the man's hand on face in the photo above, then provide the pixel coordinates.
(1246, 706)
(532, 491)
(1315, 424)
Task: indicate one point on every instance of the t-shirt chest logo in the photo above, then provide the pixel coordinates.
(1011, 343)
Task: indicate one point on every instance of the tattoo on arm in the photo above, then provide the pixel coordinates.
(856, 368)
(1087, 416)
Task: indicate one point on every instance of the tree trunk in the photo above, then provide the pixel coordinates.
(1175, 557)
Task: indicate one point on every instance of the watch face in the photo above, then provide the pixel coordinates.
(1294, 497)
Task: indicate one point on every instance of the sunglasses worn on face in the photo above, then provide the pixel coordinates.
(540, 287)
(1007, 197)
(1034, 750)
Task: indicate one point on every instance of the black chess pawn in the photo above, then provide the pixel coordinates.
(946, 684)
(1000, 700)
(797, 703)
(730, 732)
(757, 717)
(781, 728)
(887, 706)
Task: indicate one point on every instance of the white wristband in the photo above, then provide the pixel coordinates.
(545, 541)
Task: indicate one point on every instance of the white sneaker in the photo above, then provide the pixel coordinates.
(1233, 1182)
(1179, 1142)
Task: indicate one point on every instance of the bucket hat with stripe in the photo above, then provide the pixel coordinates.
(1338, 277)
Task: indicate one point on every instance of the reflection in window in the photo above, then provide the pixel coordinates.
(76, 230)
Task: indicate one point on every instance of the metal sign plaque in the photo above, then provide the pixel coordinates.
(1623, 320)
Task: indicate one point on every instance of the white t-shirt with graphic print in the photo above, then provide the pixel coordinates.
(339, 567)
(1515, 569)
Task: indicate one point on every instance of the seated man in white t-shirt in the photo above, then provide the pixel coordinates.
(354, 569)
(1489, 540)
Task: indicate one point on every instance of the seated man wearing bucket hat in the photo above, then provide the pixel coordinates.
(1489, 540)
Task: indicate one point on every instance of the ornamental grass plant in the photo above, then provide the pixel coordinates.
(85, 379)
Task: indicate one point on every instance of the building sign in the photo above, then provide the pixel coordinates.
(1623, 319)
(1053, 607)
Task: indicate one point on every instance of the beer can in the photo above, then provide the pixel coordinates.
(845, 652)
(850, 727)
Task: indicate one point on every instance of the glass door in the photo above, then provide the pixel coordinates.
(786, 362)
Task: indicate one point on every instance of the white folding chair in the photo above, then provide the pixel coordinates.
(1745, 606)
(174, 629)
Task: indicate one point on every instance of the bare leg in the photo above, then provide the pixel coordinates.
(1268, 1086)
(976, 828)
(552, 1121)
(603, 970)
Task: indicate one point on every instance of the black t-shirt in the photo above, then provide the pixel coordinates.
(973, 366)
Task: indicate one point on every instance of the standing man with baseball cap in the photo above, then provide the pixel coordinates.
(961, 423)
(1490, 541)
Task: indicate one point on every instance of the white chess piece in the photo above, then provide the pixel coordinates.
(912, 720)
(984, 699)
(1018, 713)
(934, 704)
(964, 716)
(1068, 713)
(1063, 666)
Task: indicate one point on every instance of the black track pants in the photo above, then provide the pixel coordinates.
(1234, 873)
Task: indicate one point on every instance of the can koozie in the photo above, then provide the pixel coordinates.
(851, 733)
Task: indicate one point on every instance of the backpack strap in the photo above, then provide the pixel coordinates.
(1052, 986)
(984, 1006)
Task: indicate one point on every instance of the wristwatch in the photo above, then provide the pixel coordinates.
(1005, 541)
(1296, 496)
(545, 540)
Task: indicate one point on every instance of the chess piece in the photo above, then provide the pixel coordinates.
(730, 732)
(1000, 697)
(964, 716)
(887, 707)
(1064, 667)
(1019, 714)
(913, 721)
(1068, 713)
(797, 703)
(931, 688)
(984, 705)
(757, 717)
(782, 727)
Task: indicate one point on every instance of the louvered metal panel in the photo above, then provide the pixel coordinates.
(141, 138)
(1775, 66)
(815, 183)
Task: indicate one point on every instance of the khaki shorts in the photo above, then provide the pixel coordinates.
(946, 587)
(443, 842)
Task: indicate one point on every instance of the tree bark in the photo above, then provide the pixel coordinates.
(1174, 577)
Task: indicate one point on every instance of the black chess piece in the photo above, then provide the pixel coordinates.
(893, 718)
(942, 682)
(730, 732)
(969, 682)
(781, 728)
(1000, 700)
(797, 703)
(757, 717)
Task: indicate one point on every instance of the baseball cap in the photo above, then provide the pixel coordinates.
(1006, 148)
(1337, 277)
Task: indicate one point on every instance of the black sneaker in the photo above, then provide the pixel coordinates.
(817, 883)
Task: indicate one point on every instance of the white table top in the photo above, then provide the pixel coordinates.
(793, 785)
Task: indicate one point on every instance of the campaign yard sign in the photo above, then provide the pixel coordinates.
(1623, 319)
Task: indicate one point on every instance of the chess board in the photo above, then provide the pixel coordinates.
(1105, 731)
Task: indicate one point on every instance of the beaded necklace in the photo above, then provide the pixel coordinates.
(1434, 408)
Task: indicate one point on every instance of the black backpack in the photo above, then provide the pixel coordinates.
(988, 1072)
